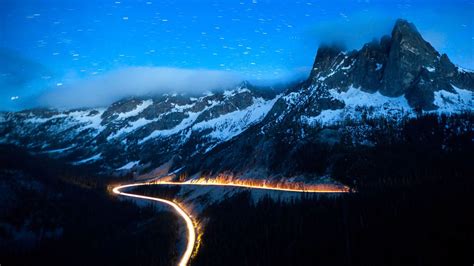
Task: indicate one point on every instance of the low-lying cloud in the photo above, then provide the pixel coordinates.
(354, 30)
(136, 81)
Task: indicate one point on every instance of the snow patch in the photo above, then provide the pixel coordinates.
(90, 159)
(60, 150)
(293, 98)
(185, 123)
(449, 102)
(349, 66)
(88, 120)
(326, 117)
(355, 97)
(376, 105)
(231, 124)
(138, 109)
(128, 166)
(378, 67)
(230, 93)
(431, 69)
(41, 120)
(168, 132)
(131, 126)
(182, 108)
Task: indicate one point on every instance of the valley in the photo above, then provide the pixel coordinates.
(365, 161)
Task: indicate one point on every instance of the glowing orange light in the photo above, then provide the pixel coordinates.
(230, 181)
(226, 181)
(189, 223)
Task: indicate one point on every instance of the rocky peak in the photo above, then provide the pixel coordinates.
(404, 29)
(344, 90)
(245, 84)
(408, 54)
(402, 64)
(325, 58)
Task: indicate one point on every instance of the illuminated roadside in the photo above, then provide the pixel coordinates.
(258, 184)
(249, 184)
(189, 223)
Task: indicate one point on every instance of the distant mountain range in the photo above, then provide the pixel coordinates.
(242, 130)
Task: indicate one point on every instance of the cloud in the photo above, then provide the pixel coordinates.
(17, 71)
(135, 81)
(18, 77)
(353, 30)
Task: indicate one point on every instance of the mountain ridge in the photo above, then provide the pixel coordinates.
(238, 130)
(400, 64)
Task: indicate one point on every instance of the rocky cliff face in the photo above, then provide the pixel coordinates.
(402, 64)
(243, 129)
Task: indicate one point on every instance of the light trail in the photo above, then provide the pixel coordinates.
(189, 223)
(253, 184)
(249, 184)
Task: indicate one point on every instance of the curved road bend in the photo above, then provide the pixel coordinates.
(186, 217)
(189, 223)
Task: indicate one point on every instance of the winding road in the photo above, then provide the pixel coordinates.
(191, 228)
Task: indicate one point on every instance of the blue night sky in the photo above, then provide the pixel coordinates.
(60, 42)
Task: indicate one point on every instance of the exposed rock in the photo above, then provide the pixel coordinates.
(252, 129)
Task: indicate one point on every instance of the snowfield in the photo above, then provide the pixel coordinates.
(355, 97)
(356, 101)
(128, 166)
(448, 102)
(232, 124)
(377, 105)
(138, 109)
(90, 159)
(209, 120)
(224, 127)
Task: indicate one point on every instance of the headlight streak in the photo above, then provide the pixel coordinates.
(193, 225)
(189, 222)
(223, 181)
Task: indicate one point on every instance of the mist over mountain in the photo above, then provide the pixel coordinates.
(364, 159)
(19, 77)
(396, 78)
(266, 40)
(136, 81)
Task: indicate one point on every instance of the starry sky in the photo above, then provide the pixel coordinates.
(45, 44)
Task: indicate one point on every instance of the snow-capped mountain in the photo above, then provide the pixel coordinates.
(136, 132)
(401, 74)
(244, 129)
(403, 64)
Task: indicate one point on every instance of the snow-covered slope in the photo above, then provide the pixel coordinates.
(134, 132)
(399, 77)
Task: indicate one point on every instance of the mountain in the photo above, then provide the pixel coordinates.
(139, 129)
(254, 132)
(402, 64)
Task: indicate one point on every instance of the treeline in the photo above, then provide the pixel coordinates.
(47, 219)
(405, 152)
(419, 225)
(429, 149)
(413, 206)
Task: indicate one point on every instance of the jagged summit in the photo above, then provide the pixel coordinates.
(325, 56)
(243, 127)
(403, 64)
(404, 28)
(409, 53)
